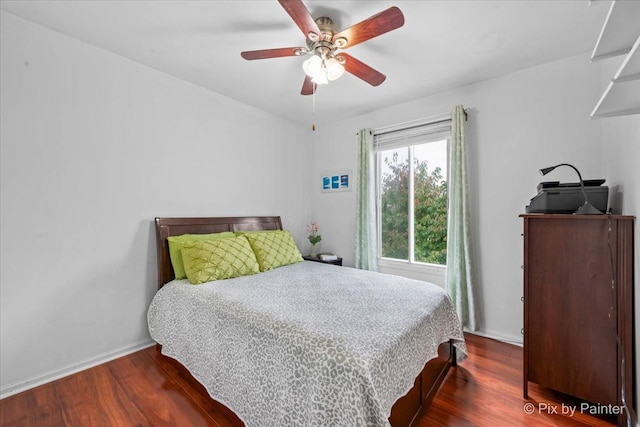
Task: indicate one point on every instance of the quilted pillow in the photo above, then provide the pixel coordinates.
(256, 231)
(274, 249)
(209, 260)
(175, 248)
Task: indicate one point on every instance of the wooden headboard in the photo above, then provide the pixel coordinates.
(166, 227)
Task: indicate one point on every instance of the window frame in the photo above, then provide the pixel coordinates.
(410, 267)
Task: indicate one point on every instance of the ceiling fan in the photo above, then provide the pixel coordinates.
(325, 43)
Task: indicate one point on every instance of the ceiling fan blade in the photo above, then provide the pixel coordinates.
(308, 87)
(270, 53)
(362, 70)
(381, 23)
(301, 16)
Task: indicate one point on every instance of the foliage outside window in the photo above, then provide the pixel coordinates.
(412, 195)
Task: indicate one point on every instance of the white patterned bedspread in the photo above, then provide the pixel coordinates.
(308, 344)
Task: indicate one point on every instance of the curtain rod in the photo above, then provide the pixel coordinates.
(418, 122)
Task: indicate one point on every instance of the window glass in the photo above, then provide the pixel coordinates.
(412, 194)
(430, 202)
(394, 203)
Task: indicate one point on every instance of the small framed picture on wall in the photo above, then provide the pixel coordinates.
(339, 181)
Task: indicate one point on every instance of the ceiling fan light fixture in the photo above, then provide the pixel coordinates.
(316, 68)
(321, 77)
(335, 69)
(312, 66)
(322, 71)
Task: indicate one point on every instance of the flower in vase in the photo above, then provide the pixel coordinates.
(312, 233)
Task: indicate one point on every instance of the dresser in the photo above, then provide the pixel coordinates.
(578, 299)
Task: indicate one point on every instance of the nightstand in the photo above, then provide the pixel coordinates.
(316, 259)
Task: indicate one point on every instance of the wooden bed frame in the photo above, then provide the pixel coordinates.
(406, 412)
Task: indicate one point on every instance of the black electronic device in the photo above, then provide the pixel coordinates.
(567, 198)
(556, 184)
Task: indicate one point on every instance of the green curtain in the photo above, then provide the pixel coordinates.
(460, 283)
(366, 233)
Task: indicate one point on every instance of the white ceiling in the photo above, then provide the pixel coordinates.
(442, 45)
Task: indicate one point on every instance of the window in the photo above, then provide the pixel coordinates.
(411, 169)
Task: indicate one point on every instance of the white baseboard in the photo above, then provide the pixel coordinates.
(15, 388)
(510, 339)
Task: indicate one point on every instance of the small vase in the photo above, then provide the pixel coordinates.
(313, 250)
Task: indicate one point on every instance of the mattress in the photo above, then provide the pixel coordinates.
(308, 344)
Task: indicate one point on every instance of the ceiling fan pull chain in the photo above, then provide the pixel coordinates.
(313, 97)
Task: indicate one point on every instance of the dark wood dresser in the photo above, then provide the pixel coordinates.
(578, 301)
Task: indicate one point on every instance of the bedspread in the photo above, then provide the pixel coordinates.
(308, 344)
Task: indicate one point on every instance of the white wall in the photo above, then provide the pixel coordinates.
(93, 147)
(517, 124)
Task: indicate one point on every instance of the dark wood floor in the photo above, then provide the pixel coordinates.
(144, 389)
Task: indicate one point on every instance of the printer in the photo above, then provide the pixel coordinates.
(555, 197)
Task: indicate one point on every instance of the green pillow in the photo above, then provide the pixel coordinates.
(175, 246)
(209, 260)
(274, 249)
(239, 233)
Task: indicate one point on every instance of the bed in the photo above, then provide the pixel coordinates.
(324, 357)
